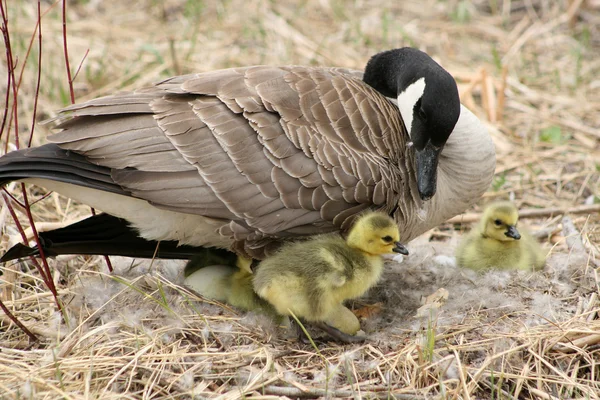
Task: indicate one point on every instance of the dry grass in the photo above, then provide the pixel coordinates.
(529, 68)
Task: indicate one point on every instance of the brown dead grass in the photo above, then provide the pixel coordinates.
(528, 68)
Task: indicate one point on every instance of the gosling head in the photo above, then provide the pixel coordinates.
(499, 222)
(376, 233)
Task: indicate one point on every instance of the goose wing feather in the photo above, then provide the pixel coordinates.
(273, 151)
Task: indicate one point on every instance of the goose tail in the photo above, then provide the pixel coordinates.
(104, 234)
(56, 164)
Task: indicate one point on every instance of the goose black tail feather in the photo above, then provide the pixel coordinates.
(104, 234)
(51, 162)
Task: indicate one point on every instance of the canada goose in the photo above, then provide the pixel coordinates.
(246, 158)
(312, 279)
(496, 242)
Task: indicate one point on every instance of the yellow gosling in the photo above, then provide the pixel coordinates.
(229, 284)
(497, 244)
(312, 279)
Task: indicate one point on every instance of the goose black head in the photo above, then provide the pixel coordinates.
(428, 101)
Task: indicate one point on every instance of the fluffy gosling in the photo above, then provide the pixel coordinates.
(497, 244)
(229, 282)
(312, 279)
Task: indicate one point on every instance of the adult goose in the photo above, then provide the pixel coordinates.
(245, 158)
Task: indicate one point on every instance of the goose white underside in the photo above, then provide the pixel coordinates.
(153, 223)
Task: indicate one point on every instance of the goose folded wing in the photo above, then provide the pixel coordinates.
(273, 152)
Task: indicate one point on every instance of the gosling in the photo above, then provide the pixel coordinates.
(229, 282)
(497, 244)
(311, 279)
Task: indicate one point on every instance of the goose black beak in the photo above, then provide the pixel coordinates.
(427, 162)
(512, 232)
(399, 248)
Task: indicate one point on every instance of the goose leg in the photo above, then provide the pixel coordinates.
(298, 331)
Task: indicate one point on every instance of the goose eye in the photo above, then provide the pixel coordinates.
(387, 239)
(498, 222)
(422, 114)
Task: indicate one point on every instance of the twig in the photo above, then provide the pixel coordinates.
(37, 28)
(579, 343)
(530, 213)
(542, 395)
(11, 72)
(485, 96)
(40, 199)
(81, 64)
(492, 104)
(42, 330)
(48, 274)
(314, 393)
(17, 322)
(501, 95)
(8, 64)
(173, 52)
(461, 374)
(66, 50)
(39, 74)
(21, 231)
(13, 198)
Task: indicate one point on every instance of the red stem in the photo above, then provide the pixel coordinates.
(22, 233)
(17, 322)
(46, 267)
(6, 37)
(13, 197)
(11, 72)
(66, 50)
(81, 64)
(39, 75)
(6, 101)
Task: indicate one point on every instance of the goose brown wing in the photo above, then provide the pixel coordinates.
(276, 151)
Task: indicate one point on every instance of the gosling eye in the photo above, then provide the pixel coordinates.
(387, 239)
(498, 222)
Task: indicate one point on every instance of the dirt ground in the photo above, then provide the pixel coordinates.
(530, 69)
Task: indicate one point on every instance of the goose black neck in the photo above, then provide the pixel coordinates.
(390, 72)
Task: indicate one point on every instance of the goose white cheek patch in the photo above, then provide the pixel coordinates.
(407, 100)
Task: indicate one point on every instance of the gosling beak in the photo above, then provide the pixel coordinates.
(399, 248)
(512, 232)
(427, 162)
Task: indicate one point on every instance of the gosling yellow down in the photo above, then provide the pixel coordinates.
(230, 283)
(497, 244)
(312, 279)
